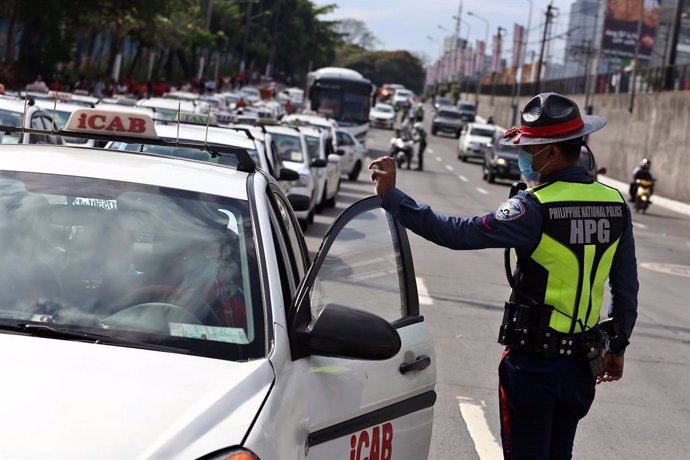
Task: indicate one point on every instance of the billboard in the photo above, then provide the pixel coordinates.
(620, 27)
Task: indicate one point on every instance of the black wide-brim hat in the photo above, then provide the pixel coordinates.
(549, 118)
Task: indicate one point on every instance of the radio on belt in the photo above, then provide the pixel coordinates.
(111, 122)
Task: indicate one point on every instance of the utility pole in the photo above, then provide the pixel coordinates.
(636, 65)
(591, 82)
(540, 63)
(494, 75)
(674, 43)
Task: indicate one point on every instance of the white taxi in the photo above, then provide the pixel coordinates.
(320, 146)
(164, 308)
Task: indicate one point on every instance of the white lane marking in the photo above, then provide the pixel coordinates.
(482, 191)
(430, 150)
(462, 178)
(439, 159)
(450, 168)
(639, 225)
(423, 294)
(484, 442)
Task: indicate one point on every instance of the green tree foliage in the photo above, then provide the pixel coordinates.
(284, 37)
(384, 66)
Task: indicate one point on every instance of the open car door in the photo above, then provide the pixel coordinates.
(365, 353)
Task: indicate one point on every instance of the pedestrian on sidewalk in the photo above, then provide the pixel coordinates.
(569, 234)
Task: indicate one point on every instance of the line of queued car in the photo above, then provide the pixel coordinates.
(318, 168)
(158, 301)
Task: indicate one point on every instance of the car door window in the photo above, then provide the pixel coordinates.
(37, 123)
(367, 254)
(343, 139)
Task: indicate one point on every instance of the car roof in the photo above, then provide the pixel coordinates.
(125, 166)
(282, 130)
(315, 119)
(48, 104)
(310, 131)
(481, 125)
(197, 133)
(14, 105)
(449, 108)
(167, 103)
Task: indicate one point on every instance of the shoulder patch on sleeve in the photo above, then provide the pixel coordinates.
(510, 210)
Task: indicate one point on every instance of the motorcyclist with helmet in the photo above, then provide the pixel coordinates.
(401, 147)
(641, 172)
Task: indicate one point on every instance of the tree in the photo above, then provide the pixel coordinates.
(356, 32)
(384, 66)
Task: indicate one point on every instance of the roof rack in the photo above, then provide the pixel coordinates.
(245, 161)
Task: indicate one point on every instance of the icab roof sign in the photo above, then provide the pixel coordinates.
(111, 122)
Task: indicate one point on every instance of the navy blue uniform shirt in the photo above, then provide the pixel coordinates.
(523, 234)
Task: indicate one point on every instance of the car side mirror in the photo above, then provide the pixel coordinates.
(299, 202)
(601, 170)
(340, 152)
(351, 333)
(319, 163)
(333, 158)
(288, 174)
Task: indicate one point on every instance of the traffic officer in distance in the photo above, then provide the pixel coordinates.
(570, 234)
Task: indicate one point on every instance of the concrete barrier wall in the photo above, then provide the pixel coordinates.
(658, 129)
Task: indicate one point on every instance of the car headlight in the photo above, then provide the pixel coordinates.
(303, 181)
(500, 161)
(235, 453)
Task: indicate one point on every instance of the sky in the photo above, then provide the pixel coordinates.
(413, 25)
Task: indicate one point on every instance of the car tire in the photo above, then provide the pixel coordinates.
(330, 202)
(310, 217)
(457, 134)
(490, 177)
(354, 174)
(463, 158)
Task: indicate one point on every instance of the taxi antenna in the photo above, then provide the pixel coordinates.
(178, 122)
(208, 121)
(26, 102)
(52, 122)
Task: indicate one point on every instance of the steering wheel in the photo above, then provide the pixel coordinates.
(198, 308)
(152, 316)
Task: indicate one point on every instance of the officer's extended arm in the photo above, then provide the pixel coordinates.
(518, 230)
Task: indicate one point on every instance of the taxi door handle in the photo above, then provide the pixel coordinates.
(421, 362)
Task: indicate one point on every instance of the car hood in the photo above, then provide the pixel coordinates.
(64, 399)
(478, 139)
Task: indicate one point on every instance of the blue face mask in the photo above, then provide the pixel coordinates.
(525, 164)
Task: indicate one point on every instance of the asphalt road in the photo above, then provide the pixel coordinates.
(646, 415)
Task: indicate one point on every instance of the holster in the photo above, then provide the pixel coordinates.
(526, 327)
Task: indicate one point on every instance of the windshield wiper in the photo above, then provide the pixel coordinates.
(44, 330)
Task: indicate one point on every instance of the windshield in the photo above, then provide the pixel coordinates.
(483, 132)
(443, 101)
(381, 108)
(134, 262)
(61, 117)
(13, 119)
(348, 103)
(289, 147)
(446, 114)
(466, 107)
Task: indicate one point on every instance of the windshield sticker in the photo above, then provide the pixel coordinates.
(510, 210)
(105, 204)
(217, 334)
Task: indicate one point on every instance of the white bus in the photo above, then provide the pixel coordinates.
(343, 95)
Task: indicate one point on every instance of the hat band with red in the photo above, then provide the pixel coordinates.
(544, 131)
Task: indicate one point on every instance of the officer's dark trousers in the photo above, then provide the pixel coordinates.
(541, 402)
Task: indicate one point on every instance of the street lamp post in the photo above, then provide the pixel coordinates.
(481, 70)
(522, 65)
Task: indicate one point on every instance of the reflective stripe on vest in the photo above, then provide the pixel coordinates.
(581, 230)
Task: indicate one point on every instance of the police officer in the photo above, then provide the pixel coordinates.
(570, 234)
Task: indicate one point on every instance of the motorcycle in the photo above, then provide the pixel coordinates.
(401, 149)
(643, 194)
